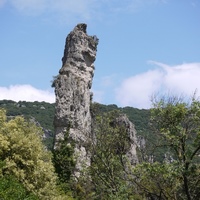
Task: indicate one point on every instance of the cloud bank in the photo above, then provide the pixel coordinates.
(133, 91)
(137, 90)
(26, 93)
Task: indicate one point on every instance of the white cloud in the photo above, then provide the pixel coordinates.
(81, 9)
(26, 93)
(179, 79)
(62, 8)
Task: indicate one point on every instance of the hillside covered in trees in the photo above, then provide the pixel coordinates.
(171, 171)
(43, 113)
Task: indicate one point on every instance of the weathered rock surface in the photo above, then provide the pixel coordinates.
(73, 98)
(72, 90)
(131, 153)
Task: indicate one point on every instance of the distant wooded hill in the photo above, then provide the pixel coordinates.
(43, 113)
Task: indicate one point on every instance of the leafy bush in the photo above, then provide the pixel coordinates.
(25, 158)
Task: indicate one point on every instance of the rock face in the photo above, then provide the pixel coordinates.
(131, 153)
(73, 98)
(72, 90)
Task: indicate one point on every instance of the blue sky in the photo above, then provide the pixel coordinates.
(145, 47)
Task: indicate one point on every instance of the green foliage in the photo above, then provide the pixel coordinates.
(45, 117)
(106, 177)
(41, 112)
(177, 126)
(64, 162)
(173, 141)
(175, 144)
(12, 189)
(157, 180)
(139, 117)
(25, 158)
(109, 163)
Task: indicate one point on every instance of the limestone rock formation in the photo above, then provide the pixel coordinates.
(72, 90)
(131, 135)
(73, 99)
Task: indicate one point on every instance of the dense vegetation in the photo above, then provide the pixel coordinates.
(43, 113)
(168, 168)
(26, 168)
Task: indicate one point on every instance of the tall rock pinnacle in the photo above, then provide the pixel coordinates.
(72, 90)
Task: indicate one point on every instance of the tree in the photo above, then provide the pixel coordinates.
(177, 127)
(64, 162)
(108, 170)
(25, 158)
(12, 189)
(105, 178)
(156, 181)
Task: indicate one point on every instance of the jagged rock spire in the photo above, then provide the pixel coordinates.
(72, 90)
